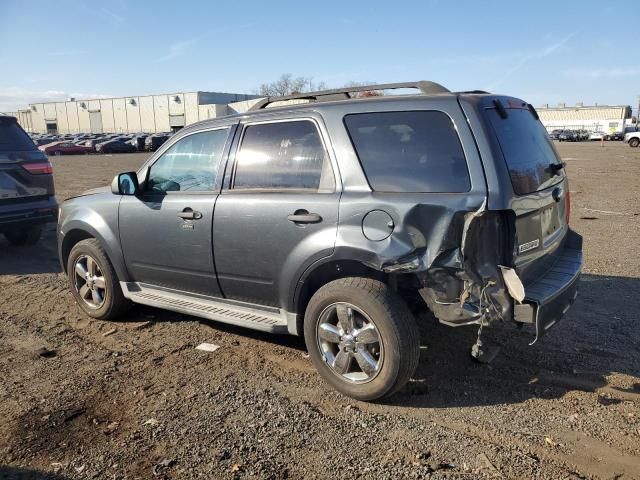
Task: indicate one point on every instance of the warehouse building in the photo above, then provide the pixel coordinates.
(597, 118)
(150, 113)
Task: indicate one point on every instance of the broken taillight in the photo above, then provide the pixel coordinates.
(567, 206)
(40, 168)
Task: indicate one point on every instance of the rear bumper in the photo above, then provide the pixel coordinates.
(28, 213)
(549, 296)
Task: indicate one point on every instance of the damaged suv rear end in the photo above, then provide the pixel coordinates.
(517, 260)
(469, 205)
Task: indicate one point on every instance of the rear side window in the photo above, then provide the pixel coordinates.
(526, 148)
(13, 138)
(409, 151)
(283, 156)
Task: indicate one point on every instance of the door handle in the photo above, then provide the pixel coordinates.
(302, 216)
(189, 214)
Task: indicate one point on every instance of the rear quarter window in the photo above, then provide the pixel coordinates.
(13, 138)
(417, 151)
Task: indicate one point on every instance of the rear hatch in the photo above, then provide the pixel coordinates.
(25, 172)
(540, 199)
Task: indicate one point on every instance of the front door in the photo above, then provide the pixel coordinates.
(166, 230)
(280, 213)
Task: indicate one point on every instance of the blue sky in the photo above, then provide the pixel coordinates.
(542, 51)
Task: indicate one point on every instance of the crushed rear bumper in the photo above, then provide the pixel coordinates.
(549, 296)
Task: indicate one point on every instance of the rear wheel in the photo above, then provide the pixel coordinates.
(634, 142)
(24, 235)
(361, 338)
(94, 282)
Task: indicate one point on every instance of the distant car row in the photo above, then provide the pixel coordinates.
(583, 135)
(85, 143)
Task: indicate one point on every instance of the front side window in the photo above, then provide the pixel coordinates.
(283, 156)
(416, 151)
(189, 165)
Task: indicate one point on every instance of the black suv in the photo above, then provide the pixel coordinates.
(324, 214)
(27, 199)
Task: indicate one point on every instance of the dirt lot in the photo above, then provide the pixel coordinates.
(134, 399)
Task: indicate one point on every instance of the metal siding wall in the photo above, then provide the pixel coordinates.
(83, 117)
(61, 115)
(120, 115)
(72, 116)
(37, 118)
(191, 108)
(133, 115)
(147, 117)
(49, 112)
(161, 110)
(176, 108)
(106, 107)
(207, 111)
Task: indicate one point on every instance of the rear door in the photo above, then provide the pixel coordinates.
(541, 197)
(165, 231)
(279, 212)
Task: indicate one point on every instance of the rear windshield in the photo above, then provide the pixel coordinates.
(526, 148)
(13, 138)
(415, 151)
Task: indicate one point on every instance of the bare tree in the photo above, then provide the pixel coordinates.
(288, 85)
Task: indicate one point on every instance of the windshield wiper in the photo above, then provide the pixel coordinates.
(556, 167)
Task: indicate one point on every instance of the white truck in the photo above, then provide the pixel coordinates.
(632, 138)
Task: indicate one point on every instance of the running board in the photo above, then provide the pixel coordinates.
(274, 321)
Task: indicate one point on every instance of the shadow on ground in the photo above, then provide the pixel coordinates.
(26, 260)
(13, 473)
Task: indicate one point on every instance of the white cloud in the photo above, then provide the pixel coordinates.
(17, 98)
(177, 49)
(526, 58)
(113, 16)
(630, 71)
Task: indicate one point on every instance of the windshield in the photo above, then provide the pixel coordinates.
(527, 149)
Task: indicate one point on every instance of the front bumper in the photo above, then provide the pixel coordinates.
(549, 296)
(28, 213)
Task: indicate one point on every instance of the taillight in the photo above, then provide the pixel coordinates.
(567, 205)
(39, 168)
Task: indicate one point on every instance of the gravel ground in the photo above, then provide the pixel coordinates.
(81, 398)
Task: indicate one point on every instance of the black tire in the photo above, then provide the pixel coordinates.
(24, 235)
(396, 326)
(114, 304)
(634, 142)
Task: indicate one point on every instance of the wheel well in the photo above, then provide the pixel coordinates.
(326, 273)
(70, 239)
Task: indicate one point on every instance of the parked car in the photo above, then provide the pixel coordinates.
(582, 135)
(632, 138)
(568, 136)
(153, 142)
(64, 148)
(299, 248)
(116, 145)
(597, 136)
(555, 134)
(139, 142)
(27, 200)
(617, 136)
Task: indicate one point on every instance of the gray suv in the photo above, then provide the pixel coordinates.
(325, 214)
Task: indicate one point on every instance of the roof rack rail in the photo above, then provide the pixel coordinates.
(344, 93)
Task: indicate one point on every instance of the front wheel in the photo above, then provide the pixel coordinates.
(361, 338)
(94, 282)
(634, 142)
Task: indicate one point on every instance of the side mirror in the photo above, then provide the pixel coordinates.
(125, 184)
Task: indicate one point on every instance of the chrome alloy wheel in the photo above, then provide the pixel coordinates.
(349, 342)
(89, 281)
